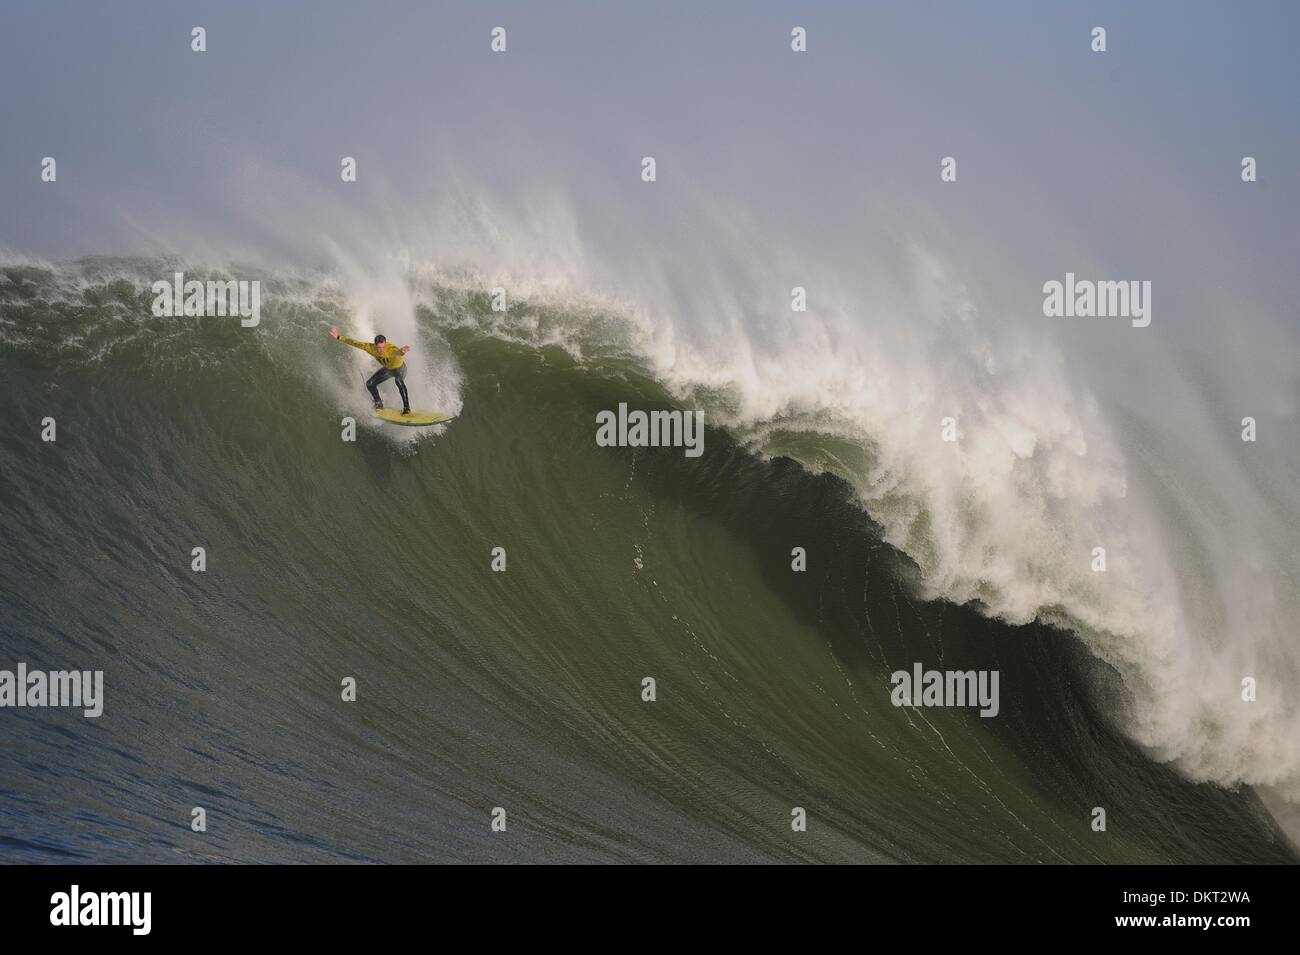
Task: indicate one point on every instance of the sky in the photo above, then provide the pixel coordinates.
(146, 130)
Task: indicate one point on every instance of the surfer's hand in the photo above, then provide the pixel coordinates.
(405, 349)
(334, 332)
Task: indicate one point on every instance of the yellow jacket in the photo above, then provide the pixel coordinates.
(391, 357)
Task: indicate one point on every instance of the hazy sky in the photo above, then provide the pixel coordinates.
(143, 127)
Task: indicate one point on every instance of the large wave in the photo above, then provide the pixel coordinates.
(1052, 461)
(1200, 578)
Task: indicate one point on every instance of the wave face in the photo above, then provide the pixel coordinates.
(522, 689)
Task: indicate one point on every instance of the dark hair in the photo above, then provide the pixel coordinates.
(380, 339)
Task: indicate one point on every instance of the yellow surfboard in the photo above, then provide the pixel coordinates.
(416, 419)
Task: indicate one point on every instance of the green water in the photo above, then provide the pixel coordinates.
(519, 689)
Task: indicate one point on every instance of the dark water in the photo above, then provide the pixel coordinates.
(476, 689)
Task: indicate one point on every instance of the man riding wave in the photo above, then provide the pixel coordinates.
(393, 360)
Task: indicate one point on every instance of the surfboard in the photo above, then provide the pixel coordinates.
(416, 419)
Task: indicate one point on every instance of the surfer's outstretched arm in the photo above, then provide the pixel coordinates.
(334, 333)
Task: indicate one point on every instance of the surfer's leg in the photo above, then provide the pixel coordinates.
(399, 375)
(372, 385)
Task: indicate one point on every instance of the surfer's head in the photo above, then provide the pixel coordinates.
(380, 339)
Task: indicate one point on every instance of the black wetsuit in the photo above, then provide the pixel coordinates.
(382, 375)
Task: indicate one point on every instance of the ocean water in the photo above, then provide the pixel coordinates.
(522, 689)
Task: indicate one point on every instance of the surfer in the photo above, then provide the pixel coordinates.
(391, 357)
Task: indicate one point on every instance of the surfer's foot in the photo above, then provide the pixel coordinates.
(406, 411)
(379, 406)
